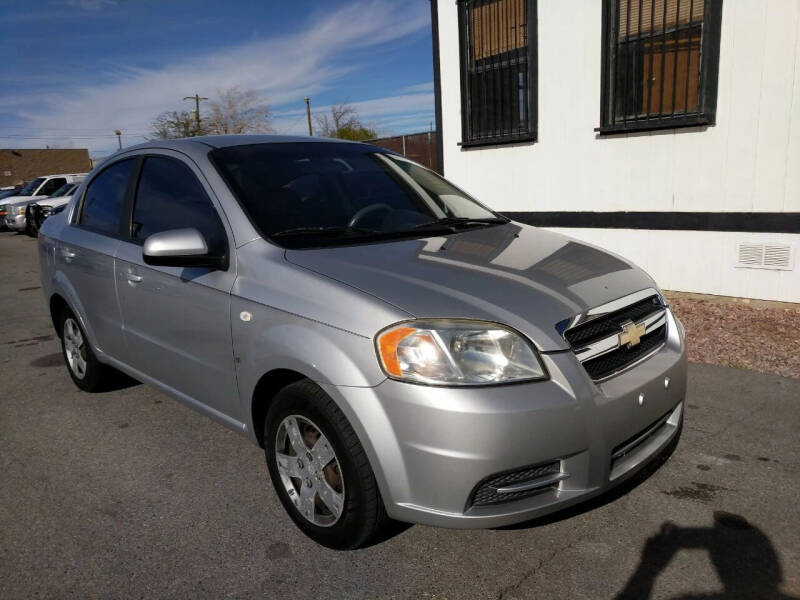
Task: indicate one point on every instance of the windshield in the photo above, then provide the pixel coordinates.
(31, 187)
(320, 193)
(64, 190)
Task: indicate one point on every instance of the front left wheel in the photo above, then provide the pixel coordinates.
(320, 470)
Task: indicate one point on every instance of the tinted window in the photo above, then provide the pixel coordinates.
(327, 186)
(102, 203)
(65, 189)
(169, 196)
(31, 187)
(51, 186)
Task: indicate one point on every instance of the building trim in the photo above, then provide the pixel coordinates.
(437, 86)
(752, 222)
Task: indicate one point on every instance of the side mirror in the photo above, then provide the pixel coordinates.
(180, 248)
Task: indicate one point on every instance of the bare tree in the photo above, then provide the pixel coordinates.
(173, 124)
(237, 111)
(344, 123)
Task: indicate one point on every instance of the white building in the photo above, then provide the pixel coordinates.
(667, 131)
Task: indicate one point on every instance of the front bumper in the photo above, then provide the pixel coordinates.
(15, 222)
(431, 446)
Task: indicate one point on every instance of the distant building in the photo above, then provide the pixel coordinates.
(23, 164)
(665, 130)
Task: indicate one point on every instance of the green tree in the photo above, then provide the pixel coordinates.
(344, 123)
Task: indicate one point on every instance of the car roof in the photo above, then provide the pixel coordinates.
(62, 175)
(225, 141)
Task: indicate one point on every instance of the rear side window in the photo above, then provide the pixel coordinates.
(102, 204)
(169, 196)
(52, 185)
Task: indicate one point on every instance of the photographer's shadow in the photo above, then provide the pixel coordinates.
(742, 554)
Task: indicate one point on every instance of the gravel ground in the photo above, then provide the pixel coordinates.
(734, 334)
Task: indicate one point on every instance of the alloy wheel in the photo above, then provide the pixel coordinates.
(309, 470)
(75, 348)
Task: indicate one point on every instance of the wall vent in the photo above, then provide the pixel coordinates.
(765, 256)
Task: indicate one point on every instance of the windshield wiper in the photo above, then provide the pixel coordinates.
(338, 230)
(453, 222)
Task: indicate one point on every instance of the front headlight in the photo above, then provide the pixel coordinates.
(21, 210)
(457, 352)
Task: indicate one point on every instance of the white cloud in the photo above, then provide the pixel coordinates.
(391, 113)
(420, 87)
(281, 69)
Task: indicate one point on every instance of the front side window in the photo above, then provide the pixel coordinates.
(51, 186)
(103, 200)
(498, 71)
(169, 196)
(317, 193)
(661, 63)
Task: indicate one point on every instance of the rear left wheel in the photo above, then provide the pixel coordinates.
(86, 371)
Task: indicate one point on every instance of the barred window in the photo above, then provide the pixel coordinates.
(660, 64)
(498, 71)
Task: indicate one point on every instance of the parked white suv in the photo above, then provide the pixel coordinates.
(37, 212)
(39, 188)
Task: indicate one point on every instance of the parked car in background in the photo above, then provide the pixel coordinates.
(39, 188)
(6, 192)
(37, 212)
(397, 348)
(10, 190)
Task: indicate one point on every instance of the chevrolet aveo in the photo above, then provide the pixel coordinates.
(398, 349)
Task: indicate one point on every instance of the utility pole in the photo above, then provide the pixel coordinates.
(118, 133)
(196, 98)
(308, 114)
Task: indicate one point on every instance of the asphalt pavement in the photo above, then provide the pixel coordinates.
(128, 494)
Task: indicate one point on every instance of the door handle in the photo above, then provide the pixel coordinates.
(133, 278)
(67, 254)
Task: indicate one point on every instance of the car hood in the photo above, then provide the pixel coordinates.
(528, 278)
(12, 200)
(53, 202)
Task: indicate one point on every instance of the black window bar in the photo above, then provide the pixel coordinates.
(660, 64)
(498, 71)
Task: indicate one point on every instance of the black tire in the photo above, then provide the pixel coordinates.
(96, 376)
(363, 514)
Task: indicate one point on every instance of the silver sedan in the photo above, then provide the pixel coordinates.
(398, 349)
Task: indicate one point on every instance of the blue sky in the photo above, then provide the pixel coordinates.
(75, 70)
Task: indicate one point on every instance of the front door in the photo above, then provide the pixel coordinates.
(176, 320)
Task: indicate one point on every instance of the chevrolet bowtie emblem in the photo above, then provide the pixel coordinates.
(632, 334)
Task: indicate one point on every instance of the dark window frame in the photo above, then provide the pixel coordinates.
(709, 76)
(468, 140)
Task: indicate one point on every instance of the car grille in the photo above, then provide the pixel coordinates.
(541, 478)
(596, 342)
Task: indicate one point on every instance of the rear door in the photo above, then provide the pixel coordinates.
(176, 320)
(86, 250)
